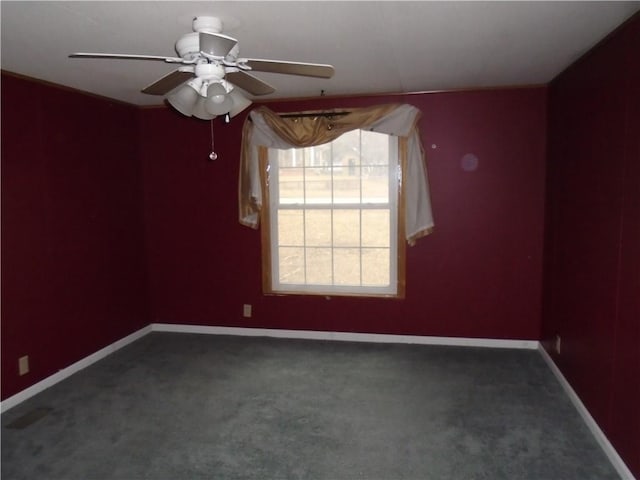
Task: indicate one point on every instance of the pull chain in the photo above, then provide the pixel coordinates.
(213, 155)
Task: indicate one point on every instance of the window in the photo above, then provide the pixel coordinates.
(332, 218)
(336, 206)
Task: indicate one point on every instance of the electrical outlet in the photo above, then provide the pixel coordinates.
(246, 310)
(557, 344)
(23, 365)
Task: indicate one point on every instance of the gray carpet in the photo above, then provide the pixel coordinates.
(178, 406)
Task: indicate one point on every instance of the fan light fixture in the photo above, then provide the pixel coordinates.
(218, 100)
(184, 98)
(206, 101)
(199, 111)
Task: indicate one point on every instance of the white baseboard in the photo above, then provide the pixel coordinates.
(346, 336)
(71, 369)
(597, 432)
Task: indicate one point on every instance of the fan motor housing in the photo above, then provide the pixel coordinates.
(188, 45)
(209, 71)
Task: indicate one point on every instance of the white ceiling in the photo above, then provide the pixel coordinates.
(376, 47)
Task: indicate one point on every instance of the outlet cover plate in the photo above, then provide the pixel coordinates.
(23, 365)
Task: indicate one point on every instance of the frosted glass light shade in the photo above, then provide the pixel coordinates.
(240, 102)
(218, 100)
(184, 99)
(200, 112)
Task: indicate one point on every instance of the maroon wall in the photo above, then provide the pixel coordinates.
(73, 273)
(478, 275)
(592, 264)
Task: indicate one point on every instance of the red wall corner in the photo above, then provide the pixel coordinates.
(73, 271)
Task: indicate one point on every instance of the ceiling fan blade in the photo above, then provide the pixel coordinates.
(291, 68)
(216, 44)
(167, 83)
(248, 82)
(124, 56)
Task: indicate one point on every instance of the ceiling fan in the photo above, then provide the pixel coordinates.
(210, 68)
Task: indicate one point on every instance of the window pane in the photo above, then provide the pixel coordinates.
(318, 185)
(346, 186)
(291, 185)
(333, 207)
(318, 228)
(375, 228)
(285, 158)
(291, 227)
(319, 266)
(291, 265)
(307, 154)
(375, 266)
(345, 147)
(346, 228)
(346, 266)
(375, 185)
(319, 156)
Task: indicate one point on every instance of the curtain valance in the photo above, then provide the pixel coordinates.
(264, 128)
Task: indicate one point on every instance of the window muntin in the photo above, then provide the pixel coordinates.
(333, 217)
